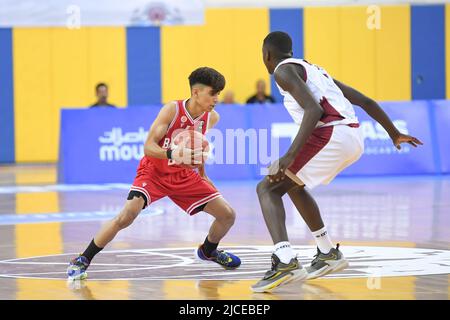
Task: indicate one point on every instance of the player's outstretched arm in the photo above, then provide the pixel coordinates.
(372, 108)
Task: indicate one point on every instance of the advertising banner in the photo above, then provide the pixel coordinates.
(104, 146)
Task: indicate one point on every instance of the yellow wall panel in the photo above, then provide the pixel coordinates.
(322, 38)
(220, 54)
(182, 51)
(447, 48)
(374, 61)
(393, 54)
(69, 67)
(107, 62)
(227, 42)
(69, 70)
(250, 28)
(179, 56)
(58, 67)
(357, 50)
(33, 105)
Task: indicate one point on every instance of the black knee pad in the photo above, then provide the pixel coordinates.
(138, 194)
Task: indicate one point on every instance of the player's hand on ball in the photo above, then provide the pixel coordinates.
(192, 148)
(198, 157)
(187, 156)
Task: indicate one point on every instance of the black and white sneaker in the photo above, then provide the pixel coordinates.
(324, 264)
(280, 273)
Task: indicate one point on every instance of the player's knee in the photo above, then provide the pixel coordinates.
(230, 216)
(266, 188)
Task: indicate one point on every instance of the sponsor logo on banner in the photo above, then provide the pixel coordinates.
(116, 145)
(377, 140)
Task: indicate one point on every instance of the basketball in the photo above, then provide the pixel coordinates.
(192, 139)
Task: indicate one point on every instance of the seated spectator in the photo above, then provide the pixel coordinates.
(228, 97)
(260, 96)
(101, 91)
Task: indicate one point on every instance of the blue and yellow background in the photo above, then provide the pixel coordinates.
(45, 69)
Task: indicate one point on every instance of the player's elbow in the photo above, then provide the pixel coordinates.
(148, 151)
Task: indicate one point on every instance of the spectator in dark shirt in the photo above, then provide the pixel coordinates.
(260, 96)
(101, 90)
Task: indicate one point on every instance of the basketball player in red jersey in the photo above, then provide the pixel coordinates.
(164, 171)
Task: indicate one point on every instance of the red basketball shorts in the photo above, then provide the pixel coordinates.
(186, 188)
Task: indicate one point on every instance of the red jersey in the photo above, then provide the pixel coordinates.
(181, 121)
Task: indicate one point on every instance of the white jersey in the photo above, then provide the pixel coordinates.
(337, 109)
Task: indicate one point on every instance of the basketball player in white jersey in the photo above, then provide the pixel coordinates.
(328, 141)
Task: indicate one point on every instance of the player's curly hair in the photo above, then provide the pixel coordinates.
(209, 77)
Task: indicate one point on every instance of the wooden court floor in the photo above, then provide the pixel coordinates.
(394, 231)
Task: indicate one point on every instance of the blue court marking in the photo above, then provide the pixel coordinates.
(12, 219)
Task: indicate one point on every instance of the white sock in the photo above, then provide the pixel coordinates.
(323, 240)
(284, 251)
